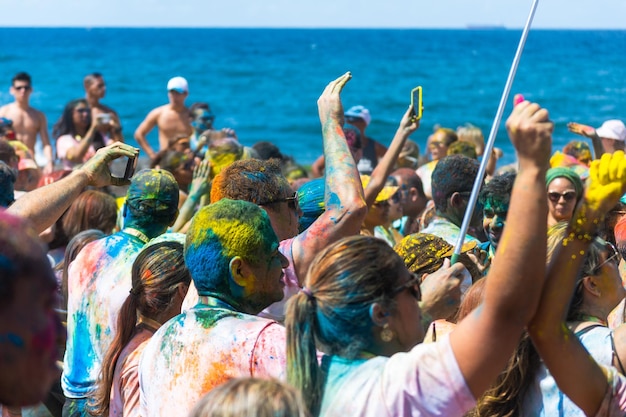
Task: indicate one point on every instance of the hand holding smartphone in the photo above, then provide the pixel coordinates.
(416, 103)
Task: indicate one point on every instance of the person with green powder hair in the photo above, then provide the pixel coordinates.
(232, 255)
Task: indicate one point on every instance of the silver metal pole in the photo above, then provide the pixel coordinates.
(492, 135)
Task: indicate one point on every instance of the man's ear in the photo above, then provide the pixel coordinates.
(589, 285)
(238, 271)
(455, 200)
(378, 314)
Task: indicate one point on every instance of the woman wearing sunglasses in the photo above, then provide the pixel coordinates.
(77, 134)
(526, 388)
(598, 390)
(564, 192)
(359, 306)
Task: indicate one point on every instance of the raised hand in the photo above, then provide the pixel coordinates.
(582, 130)
(97, 168)
(441, 291)
(200, 183)
(329, 104)
(607, 183)
(530, 130)
(408, 123)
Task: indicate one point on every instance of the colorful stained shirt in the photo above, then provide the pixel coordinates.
(446, 230)
(124, 400)
(99, 280)
(425, 381)
(202, 348)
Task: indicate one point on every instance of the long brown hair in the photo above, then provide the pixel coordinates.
(333, 311)
(157, 273)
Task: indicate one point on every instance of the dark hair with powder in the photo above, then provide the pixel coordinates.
(454, 173)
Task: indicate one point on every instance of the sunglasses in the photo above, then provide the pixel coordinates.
(412, 285)
(82, 110)
(22, 87)
(292, 202)
(613, 255)
(567, 196)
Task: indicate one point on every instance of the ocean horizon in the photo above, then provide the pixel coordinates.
(264, 82)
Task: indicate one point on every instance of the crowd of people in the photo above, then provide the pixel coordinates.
(226, 280)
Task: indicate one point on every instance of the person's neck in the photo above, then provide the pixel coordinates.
(451, 217)
(22, 104)
(94, 102)
(595, 314)
(81, 131)
(177, 107)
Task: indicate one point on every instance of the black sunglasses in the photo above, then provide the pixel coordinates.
(412, 285)
(22, 87)
(613, 255)
(567, 196)
(292, 202)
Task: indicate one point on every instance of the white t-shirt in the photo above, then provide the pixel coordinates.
(426, 381)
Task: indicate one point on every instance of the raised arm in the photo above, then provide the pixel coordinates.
(144, 128)
(556, 344)
(385, 166)
(199, 187)
(344, 205)
(46, 204)
(484, 340)
(588, 132)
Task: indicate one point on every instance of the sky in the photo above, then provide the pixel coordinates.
(575, 14)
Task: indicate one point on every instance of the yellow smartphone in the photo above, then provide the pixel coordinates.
(416, 102)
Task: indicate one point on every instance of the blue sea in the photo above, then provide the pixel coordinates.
(264, 83)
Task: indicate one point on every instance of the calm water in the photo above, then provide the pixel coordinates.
(264, 83)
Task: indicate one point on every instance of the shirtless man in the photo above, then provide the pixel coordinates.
(95, 89)
(27, 121)
(172, 120)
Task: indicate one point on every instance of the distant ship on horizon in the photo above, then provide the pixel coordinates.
(485, 27)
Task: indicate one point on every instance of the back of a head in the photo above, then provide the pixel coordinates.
(345, 279)
(463, 148)
(454, 173)
(90, 210)
(157, 272)
(251, 397)
(152, 198)
(311, 201)
(7, 179)
(267, 150)
(250, 180)
(22, 255)
(219, 232)
(472, 134)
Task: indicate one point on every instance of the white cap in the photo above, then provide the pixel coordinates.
(612, 129)
(178, 84)
(359, 112)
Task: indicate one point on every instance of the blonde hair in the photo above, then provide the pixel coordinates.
(472, 134)
(243, 397)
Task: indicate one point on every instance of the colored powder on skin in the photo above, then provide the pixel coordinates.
(13, 339)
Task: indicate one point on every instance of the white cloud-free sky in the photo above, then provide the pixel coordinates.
(576, 14)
